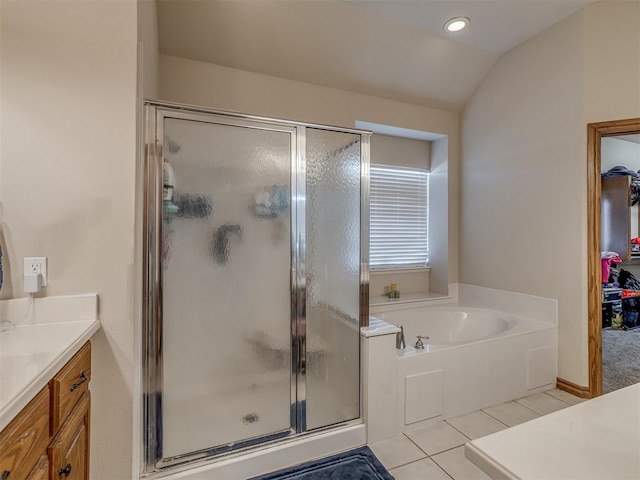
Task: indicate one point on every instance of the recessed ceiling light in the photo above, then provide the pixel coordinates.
(456, 24)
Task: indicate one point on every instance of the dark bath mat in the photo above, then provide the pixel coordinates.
(358, 464)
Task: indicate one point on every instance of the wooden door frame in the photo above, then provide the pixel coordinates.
(595, 132)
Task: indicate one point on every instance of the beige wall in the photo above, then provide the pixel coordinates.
(67, 159)
(442, 250)
(612, 61)
(523, 175)
(198, 83)
(148, 37)
(405, 152)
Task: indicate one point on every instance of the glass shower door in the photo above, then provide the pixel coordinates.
(255, 270)
(333, 170)
(226, 283)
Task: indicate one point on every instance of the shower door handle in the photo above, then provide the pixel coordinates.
(302, 356)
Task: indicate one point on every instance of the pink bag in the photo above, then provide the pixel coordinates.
(607, 258)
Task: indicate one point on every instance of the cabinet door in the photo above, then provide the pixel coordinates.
(41, 470)
(25, 439)
(69, 385)
(69, 451)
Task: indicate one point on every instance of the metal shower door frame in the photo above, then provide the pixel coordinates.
(155, 115)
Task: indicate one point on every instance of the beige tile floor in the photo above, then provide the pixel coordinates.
(436, 452)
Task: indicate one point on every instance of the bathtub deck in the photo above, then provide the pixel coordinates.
(436, 452)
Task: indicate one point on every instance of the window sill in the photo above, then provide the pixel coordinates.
(393, 271)
(382, 301)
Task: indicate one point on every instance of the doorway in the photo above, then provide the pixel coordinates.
(595, 133)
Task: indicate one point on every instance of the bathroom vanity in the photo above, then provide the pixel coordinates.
(45, 370)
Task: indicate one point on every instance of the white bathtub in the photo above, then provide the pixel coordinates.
(474, 358)
(449, 325)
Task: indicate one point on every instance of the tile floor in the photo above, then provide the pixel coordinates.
(436, 452)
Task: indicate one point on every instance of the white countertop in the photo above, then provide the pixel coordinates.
(32, 353)
(596, 439)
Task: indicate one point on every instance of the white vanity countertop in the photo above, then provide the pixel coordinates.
(596, 439)
(32, 353)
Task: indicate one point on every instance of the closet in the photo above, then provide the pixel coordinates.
(620, 163)
(618, 216)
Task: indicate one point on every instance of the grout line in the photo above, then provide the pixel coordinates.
(441, 467)
(496, 419)
(407, 436)
(408, 463)
(570, 404)
(420, 460)
(445, 450)
(529, 408)
(547, 413)
(449, 449)
(460, 431)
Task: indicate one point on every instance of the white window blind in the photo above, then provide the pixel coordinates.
(399, 217)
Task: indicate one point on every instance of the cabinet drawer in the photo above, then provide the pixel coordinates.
(68, 452)
(69, 384)
(41, 470)
(25, 439)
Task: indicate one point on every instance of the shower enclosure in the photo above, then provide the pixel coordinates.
(256, 281)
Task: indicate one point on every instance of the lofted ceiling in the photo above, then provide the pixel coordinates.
(395, 49)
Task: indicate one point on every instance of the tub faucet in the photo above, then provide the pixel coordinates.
(419, 345)
(400, 343)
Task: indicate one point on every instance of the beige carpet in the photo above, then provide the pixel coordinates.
(620, 359)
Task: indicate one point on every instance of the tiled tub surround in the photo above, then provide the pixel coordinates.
(31, 353)
(514, 356)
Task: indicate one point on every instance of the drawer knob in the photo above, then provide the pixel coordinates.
(5, 475)
(83, 378)
(66, 471)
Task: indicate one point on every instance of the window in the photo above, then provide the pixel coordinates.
(399, 217)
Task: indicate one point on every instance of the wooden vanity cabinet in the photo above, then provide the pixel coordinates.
(49, 438)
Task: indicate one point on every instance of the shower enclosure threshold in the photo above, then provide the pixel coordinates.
(272, 456)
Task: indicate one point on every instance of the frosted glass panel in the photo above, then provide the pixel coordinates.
(226, 285)
(333, 277)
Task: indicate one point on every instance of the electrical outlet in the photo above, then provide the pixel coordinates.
(35, 265)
